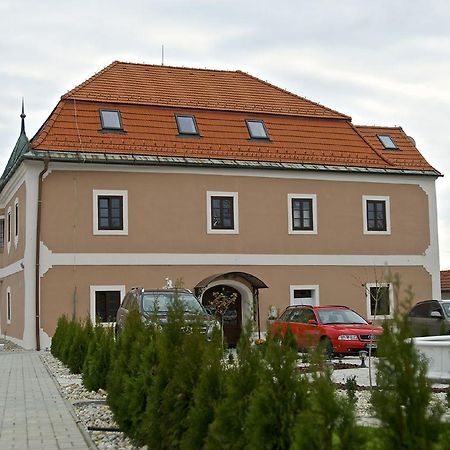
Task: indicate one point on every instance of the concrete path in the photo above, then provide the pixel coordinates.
(33, 415)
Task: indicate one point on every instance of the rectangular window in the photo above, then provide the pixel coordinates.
(16, 219)
(110, 212)
(256, 129)
(379, 300)
(186, 125)
(110, 119)
(376, 215)
(387, 141)
(8, 306)
(8, 227)
(304, 295)
(302, 210)
(2, 233)
(222, 212)
(104, 303)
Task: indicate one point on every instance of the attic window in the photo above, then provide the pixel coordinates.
(387, 142)
(186, 125)
(257, 129)
(111, 119)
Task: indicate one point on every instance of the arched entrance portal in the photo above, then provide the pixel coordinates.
(232, 317)
(246, 288)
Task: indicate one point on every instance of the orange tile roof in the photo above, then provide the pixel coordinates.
(148, 98)
(407, 156)
(445, 280)
(145, 84)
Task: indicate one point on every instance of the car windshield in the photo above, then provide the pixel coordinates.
(344, 316)
(160, 302)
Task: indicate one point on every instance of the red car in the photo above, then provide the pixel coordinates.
(341, 330)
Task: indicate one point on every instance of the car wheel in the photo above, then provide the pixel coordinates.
(327, 346)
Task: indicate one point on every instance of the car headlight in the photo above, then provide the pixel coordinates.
(348, 337)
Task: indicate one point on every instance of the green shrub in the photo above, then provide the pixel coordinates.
(79, 346)
(67, 341)
(59, 336)
(402, 400)
(98, 359)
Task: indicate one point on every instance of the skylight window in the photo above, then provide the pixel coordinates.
(110, 119)
(187, 125)
(387, 142)
(257, 129)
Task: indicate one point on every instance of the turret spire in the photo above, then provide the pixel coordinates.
(22, 116)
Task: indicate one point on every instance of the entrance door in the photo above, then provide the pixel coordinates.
(232, 318)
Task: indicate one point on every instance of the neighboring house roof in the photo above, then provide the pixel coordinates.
(445, 280)
(303, 134)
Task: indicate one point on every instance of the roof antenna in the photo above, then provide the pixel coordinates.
(162, 54)
(22, 116)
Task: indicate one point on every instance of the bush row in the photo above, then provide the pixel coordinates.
(170, 388)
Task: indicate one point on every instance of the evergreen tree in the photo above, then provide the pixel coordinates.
(402, 399)
(277, 399)
(98, 359)
(59, 336)
(79, 346)
(227, 431)
(207, 394)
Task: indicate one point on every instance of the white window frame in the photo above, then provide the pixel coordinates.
(312, 197)
(16, 220)
(2, 217)
(108, 192)
(298, 287)
(8, 230)
(391, 300)
(8, 305)
(98, 288)
(209, 227)
(386, 199)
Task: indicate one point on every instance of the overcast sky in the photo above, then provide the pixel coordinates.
(384, 62)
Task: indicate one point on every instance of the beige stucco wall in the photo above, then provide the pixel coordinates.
(16, 328)
(167, 214)
(15, 253)
(337, 285)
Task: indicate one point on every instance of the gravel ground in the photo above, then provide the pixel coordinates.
(8, 346)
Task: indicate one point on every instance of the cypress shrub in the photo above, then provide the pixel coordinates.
(278, 398)
(326, 421)
(227, 431)
(98, 359)
(206, 396)
(402, 399)
(79, 346)
(67, 341)
(59, 336)
(126, 361)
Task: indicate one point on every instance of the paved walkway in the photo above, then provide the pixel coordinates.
(33, 415)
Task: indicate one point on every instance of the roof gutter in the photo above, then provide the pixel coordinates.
(38, 256)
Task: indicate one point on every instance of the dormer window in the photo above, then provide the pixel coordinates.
(256, 129)
(387, 142)
(187, 125)
(110, 119)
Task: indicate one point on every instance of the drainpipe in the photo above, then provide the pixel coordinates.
(38, 256)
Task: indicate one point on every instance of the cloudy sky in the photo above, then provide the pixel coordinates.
(384, 62)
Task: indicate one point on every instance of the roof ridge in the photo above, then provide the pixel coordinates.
(383, 157)
(379, 126)
(343, 116)
(89, 80)
(204, 69)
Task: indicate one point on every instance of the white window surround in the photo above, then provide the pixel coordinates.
(99, 192)
(209, 228)
(8, 305)
(299, 287)
(312, 197)
(96, 288)
(16, 220)
(391, 300)
(388, 213)
(8, 230)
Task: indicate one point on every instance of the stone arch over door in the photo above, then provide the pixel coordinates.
(246, 286)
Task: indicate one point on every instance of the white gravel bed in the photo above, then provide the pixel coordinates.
(90, 407)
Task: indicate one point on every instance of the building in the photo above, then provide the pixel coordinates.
(445, 284)
(217, 178)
